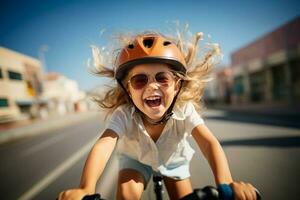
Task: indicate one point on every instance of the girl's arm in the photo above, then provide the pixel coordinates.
(214, 154)
(94, 166)
(97, 159)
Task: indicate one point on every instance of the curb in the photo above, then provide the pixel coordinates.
(44, 126)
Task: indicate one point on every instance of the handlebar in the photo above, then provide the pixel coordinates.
(92, 197)
(206, 193)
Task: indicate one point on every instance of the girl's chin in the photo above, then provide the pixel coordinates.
(155, 113)
(155, 116)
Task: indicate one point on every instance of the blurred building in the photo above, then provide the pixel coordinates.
(20, 85)
(63, 95)
(268, 69)
(225, 84)
(219, 89)
(210, 92)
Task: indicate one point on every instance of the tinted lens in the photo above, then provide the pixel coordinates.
(164, 78)
(139, 81)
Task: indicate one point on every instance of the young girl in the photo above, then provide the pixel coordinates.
(160, 85)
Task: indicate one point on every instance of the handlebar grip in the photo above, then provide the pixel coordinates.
(92, 197)
(209, 193)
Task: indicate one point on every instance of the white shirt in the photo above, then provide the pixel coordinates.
(171, 153)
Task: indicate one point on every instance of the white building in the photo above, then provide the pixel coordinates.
(63, 94)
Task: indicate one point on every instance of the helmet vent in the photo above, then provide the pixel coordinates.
(130, 46)
(166, 43)
(148, 42)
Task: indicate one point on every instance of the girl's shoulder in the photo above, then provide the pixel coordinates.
(185, 111)
(192, 117)
(123, 110)
(189, 107)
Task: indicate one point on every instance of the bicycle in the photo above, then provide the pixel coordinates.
(206, 193)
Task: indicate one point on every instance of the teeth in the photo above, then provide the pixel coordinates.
(152, 98)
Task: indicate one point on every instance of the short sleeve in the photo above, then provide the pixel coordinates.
(192, 119)
(117, 122)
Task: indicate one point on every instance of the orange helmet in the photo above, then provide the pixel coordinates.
(150, 48)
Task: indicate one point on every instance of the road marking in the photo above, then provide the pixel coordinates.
(57, 172)
(43, 145)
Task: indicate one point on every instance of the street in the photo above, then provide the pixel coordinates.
(264, 154)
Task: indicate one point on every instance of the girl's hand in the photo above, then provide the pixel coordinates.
(243, 191)
(73, 194)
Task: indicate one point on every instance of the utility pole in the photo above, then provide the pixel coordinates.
(44, 48)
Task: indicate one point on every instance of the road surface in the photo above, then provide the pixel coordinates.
(267, 155)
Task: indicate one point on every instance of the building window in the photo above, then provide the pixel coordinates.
(239, 86)
(257, 86)
(3, 102)
(1, 76)
(14, 75)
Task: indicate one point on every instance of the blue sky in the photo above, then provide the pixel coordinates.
(68, 28)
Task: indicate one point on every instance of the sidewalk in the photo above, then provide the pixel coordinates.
(26, 128)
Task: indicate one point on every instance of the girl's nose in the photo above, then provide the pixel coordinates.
(152, 85)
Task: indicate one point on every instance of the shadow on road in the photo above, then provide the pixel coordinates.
(291, 121)
(282, 142)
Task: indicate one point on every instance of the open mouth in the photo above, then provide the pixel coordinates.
(153, 101)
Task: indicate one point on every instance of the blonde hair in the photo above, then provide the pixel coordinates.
(199, 66)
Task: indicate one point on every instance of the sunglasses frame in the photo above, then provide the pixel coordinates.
(173, 74)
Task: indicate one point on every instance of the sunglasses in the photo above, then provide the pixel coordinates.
(139, 81)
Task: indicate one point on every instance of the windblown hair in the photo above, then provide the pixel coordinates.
(200, 62)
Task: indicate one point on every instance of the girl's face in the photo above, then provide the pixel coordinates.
(152, 88)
